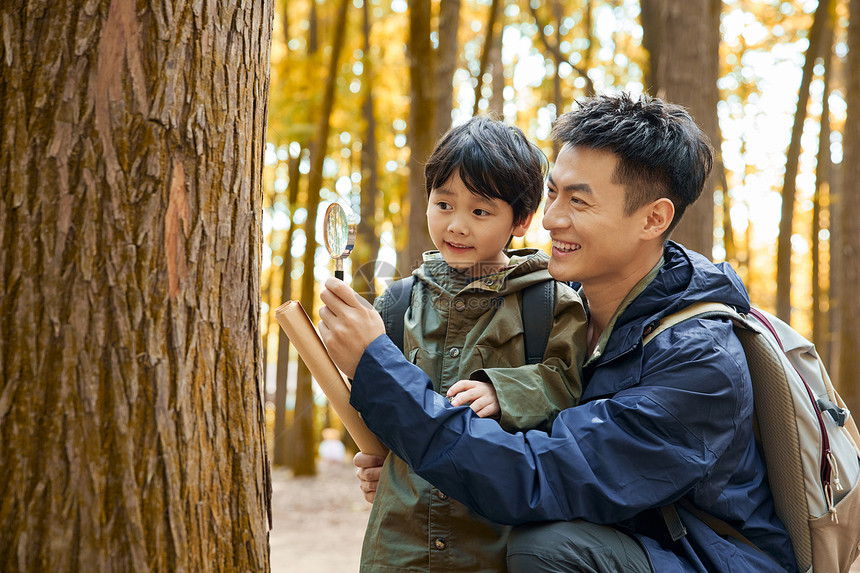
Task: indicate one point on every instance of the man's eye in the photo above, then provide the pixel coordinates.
(481, 212)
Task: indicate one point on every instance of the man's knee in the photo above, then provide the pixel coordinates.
(574, 546)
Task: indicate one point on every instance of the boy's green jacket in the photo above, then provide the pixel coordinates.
(458, 328)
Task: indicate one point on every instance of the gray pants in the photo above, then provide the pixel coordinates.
(574, 546)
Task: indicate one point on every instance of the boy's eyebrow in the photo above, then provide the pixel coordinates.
(583, 187)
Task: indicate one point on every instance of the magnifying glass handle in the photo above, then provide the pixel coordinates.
(338, 275)
(338, 269)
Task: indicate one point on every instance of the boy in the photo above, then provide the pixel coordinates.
(484, 182)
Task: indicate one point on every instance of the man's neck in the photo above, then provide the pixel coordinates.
(604, 299)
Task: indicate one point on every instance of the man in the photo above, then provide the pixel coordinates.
(658, 424)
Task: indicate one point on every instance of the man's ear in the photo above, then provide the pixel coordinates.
(520, 229)
(658, 218)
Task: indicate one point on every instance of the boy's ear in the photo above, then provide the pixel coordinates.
(520, 229)
(658, 217)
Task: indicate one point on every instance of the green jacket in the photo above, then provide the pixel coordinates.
(458, 328)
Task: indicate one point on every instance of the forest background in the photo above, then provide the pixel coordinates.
(164, 165)
(361, 90)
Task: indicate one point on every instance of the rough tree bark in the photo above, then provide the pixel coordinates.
(683, 39)
(792, 156)
(131, 407)
(849, 331)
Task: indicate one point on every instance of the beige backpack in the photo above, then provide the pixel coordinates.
(809, 439)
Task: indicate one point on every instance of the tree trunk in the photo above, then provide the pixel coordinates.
(489, 33)
(849, 331)
(281, 447)
(789, 188)
(684, 41)
(367, 243)
(497, 103)
(446, 64)
(822, 187)
(131, 408)
(303, 418)
(420, 135)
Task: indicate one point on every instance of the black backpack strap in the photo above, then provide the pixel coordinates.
(397, 299)
(538, 311)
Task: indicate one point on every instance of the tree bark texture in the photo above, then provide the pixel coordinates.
(849, 331)
(420, 135)
(792, 158)
(683, 39)
(131, 406)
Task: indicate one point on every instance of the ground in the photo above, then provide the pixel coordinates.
(318, 522)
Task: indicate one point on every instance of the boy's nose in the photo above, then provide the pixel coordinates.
(457, 226)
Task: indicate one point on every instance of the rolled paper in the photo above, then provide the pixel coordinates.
(304, 336)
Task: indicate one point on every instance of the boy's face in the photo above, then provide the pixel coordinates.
(471, 231)
(593, 240)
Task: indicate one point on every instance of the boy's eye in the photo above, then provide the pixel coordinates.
(443, 205)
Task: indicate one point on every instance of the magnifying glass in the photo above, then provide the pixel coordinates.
(339, 236)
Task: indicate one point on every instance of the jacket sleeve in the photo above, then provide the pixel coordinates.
(605, 461)
(531, 396)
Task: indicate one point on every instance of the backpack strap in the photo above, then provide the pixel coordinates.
(669, 512)
(538, 312)
(397, 300)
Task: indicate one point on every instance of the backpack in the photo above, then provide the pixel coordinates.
(538, 298)
(809, 440)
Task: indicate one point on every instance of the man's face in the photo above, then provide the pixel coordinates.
(593, 241)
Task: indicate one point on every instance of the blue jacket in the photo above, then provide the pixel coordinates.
(656, 423)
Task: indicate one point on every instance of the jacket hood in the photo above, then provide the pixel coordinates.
(686, 277)
(527, 267)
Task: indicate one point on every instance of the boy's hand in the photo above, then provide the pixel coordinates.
(481, 396)
(368, 469)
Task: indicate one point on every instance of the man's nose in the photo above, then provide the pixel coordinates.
(552, 216)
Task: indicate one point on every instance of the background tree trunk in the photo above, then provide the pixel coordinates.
(792, 157)
(131, 406)
(303, 417)
(420, 135)
(446, 64)
(367, 243)
(683, 39)
(849, 331)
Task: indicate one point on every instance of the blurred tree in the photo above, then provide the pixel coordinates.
(489, 42)
(820, 334)
(849, 309)
(792, 156)
(131, 407)
(683, 39)
(420, 135)
(367, 243)
(303, 437)
(446, 63)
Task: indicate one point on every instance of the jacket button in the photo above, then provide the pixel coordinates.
(454, 352)
(442, 495)
(440, 543)
(490, 282)
(459, 305)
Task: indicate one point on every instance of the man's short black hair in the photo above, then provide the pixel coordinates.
(495, 160)
(661, 151)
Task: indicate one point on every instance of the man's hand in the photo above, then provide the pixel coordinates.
(368, 469)
(348, 325)
(481, 397)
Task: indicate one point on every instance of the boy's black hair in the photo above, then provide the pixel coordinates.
(661, 151)
(495, 160)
